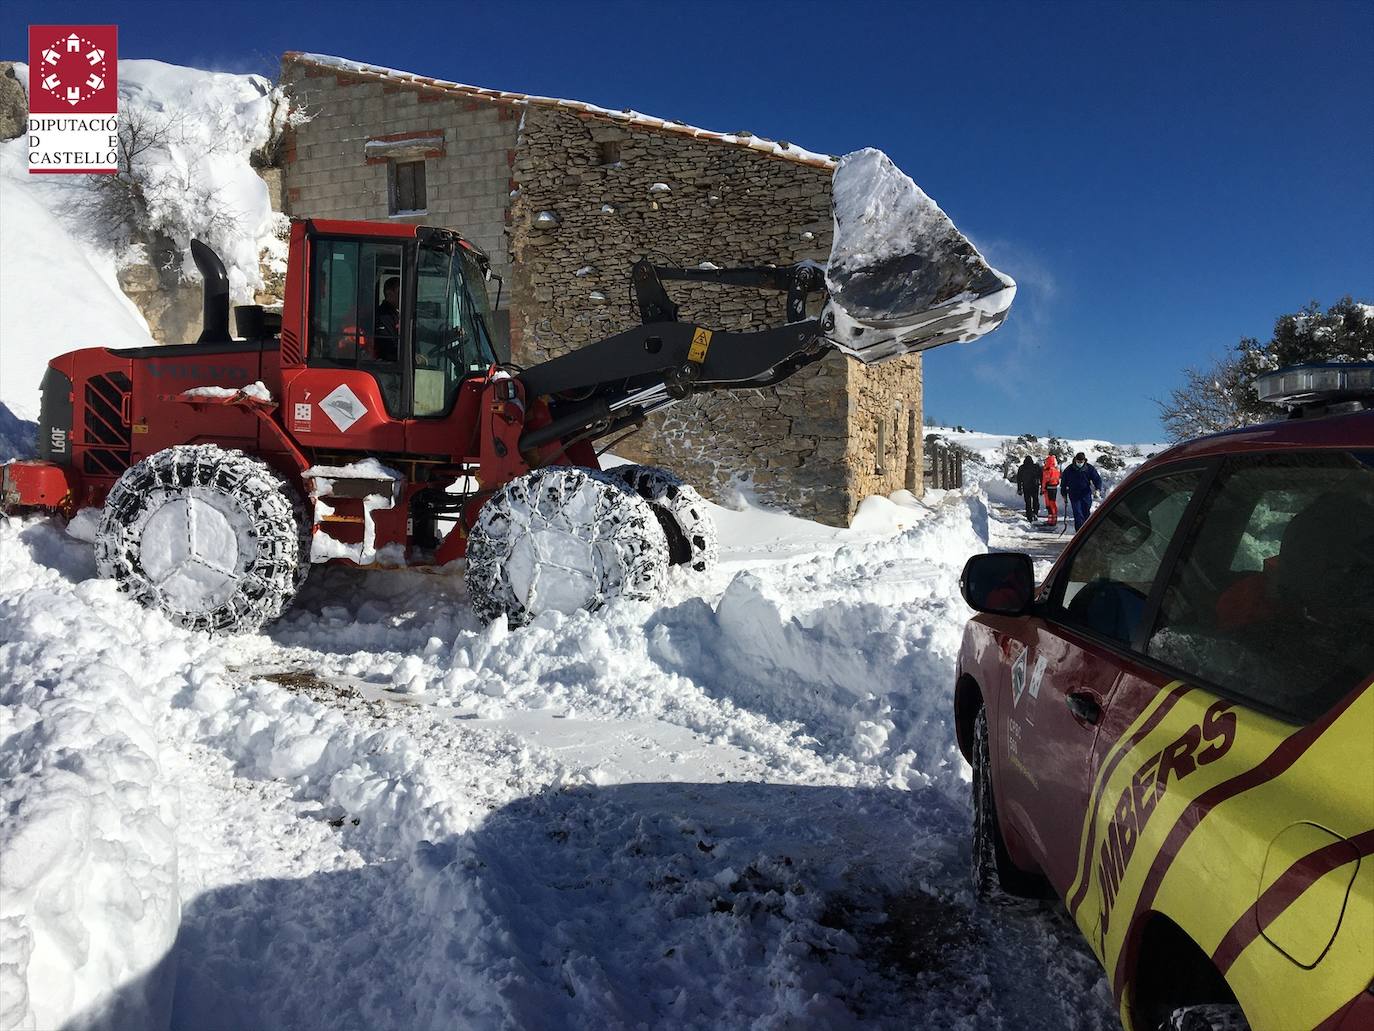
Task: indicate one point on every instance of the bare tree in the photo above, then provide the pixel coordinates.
(117, 205)
(1223, 396)
(1209, 401)
(147, 200)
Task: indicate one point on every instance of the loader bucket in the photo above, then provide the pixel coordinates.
(901, 276)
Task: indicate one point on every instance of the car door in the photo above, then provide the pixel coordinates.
(354, 392)
(1070, 656)
(1237, 764)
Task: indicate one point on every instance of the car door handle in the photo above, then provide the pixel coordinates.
(1084, 706)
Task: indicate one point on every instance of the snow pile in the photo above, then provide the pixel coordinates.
(862, 653)
(97, 698)
(257, 391)
(89, 896)
(58, 258)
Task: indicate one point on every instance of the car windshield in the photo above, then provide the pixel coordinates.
(451, 336)
(475, 281)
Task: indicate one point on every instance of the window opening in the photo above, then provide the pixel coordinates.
(352, 325)
(452, 340)
(407, 187)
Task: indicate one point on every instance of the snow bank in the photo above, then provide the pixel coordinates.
(58, 290)
(97, 699)
(56, 294)
(89, 896)
(857, 645)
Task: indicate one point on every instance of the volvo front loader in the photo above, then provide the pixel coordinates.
(371, 422)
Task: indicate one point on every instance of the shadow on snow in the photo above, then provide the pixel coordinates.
(654, 905)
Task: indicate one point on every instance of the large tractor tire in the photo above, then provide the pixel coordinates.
(210, 537)
(563, 538)
(687, 523)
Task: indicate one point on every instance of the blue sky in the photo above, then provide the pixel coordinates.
(1160, 178)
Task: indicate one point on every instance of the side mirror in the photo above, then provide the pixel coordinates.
(1002, 583)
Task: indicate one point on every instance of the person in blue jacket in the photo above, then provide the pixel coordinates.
(1078, 483)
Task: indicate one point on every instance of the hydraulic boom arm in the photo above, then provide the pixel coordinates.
(901, 279)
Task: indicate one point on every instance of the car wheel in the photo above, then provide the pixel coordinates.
(1207, 1017)
(994, 874)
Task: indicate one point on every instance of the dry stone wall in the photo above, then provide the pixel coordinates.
(593, 198)
(885, 446)
(565, 201)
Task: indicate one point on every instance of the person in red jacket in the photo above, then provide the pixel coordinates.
(1049, 478)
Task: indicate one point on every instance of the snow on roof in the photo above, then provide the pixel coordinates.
(773, 148)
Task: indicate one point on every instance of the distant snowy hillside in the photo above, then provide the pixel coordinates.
(991, 453)
(989, 445)
(58, 290)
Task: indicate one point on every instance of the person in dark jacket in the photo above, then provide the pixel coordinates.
(1028, 486)
(1078, 483)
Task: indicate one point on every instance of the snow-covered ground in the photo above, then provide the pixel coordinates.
(741, 806)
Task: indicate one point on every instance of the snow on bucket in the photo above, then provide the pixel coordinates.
(901, 276)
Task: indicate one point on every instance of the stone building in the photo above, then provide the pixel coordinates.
(564, 196)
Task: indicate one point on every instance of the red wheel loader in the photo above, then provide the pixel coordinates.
(371, 422)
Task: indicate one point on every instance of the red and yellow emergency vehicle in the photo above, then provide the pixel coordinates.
(1175, 731)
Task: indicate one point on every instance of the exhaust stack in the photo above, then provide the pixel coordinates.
(214, 320)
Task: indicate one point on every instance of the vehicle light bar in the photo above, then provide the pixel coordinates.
(1315, 383)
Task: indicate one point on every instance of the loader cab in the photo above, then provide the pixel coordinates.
(408, 312)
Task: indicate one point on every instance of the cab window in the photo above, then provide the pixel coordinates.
(354, 311)
(451, 337)
(1105, 586)
(1272, 599)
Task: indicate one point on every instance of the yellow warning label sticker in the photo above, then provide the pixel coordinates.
(701, 342)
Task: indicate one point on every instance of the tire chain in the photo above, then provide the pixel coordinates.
(687, 522)
(624, 522)
(273, 510)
